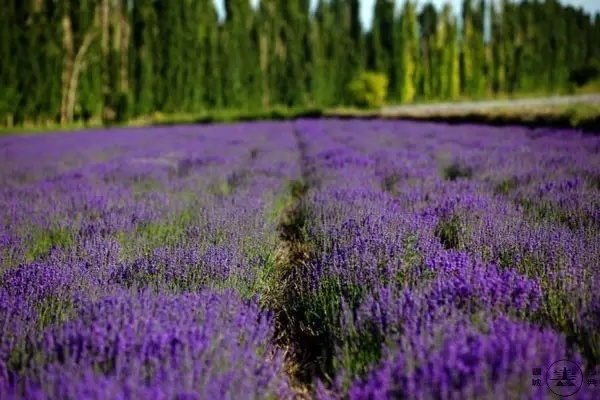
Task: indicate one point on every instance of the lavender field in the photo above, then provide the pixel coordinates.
(326, 259)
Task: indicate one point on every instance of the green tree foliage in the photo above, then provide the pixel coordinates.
(144, 63)
(468, 67)
(428, 86)
(324, 50)
(448, 71)
(112, 60)
(240, 55)
(381, 43)
(293, 36)
(408, 63)
(347, 35)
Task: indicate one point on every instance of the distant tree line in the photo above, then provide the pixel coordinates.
(112, 59)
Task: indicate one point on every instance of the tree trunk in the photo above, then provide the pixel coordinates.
(78, 66)
(264, 64)
(67, 68)
(124, 48)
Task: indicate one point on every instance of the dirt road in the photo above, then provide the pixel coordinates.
(472, 106)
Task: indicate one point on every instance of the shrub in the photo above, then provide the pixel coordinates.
(369, 90)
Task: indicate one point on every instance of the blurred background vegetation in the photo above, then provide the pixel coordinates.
(114, 61)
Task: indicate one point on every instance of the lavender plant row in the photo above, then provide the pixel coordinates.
(445, 262)
(453, 283)
(132, 261)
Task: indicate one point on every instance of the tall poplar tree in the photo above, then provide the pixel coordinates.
(480, 55)
(407, 54)
(449, 65)
(466, 39)
(497, 73)
(9, 67)
(428, 87)
(240, 59)
(525, 62)
(171, 17)
(293, 35)
(346, 44)
(324, 87)
(271, 52)
(381, 42)
(78, 60)
(145, 38)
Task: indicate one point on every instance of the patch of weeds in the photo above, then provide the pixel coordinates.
(389, 183)
(294, 217)
(275, 208)
(186, 167)
(525, 263)
(43, 241)
(143, 185)
(149, 235)
(28, 355)
(190, 198)
(360, 349)
(227, 187)
(220, 189)
(556, 309)
(219, 237)
(588, 336)
(455, 171)
(540, 210)
(506, 186)
(137, 274)
(561, 311)
(23, 356)
(412, 270)
(480, 319)
(25, 353)
(265, 264)
(314, 330)
(53, 311)
(594, 181)
(24, 177)
(507, 260)
(10, 256)
(281, 206)
(546, 211)
(293, 228)
(261, 260)
(191, 280)
(297, 188)
(237, 178)
(450, 232)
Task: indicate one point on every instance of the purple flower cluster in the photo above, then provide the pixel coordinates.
(203, 345)
(415, 235)
(443, 261)
(464, 362)
(131, 260)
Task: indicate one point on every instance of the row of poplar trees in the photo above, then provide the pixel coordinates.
(70, 59)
